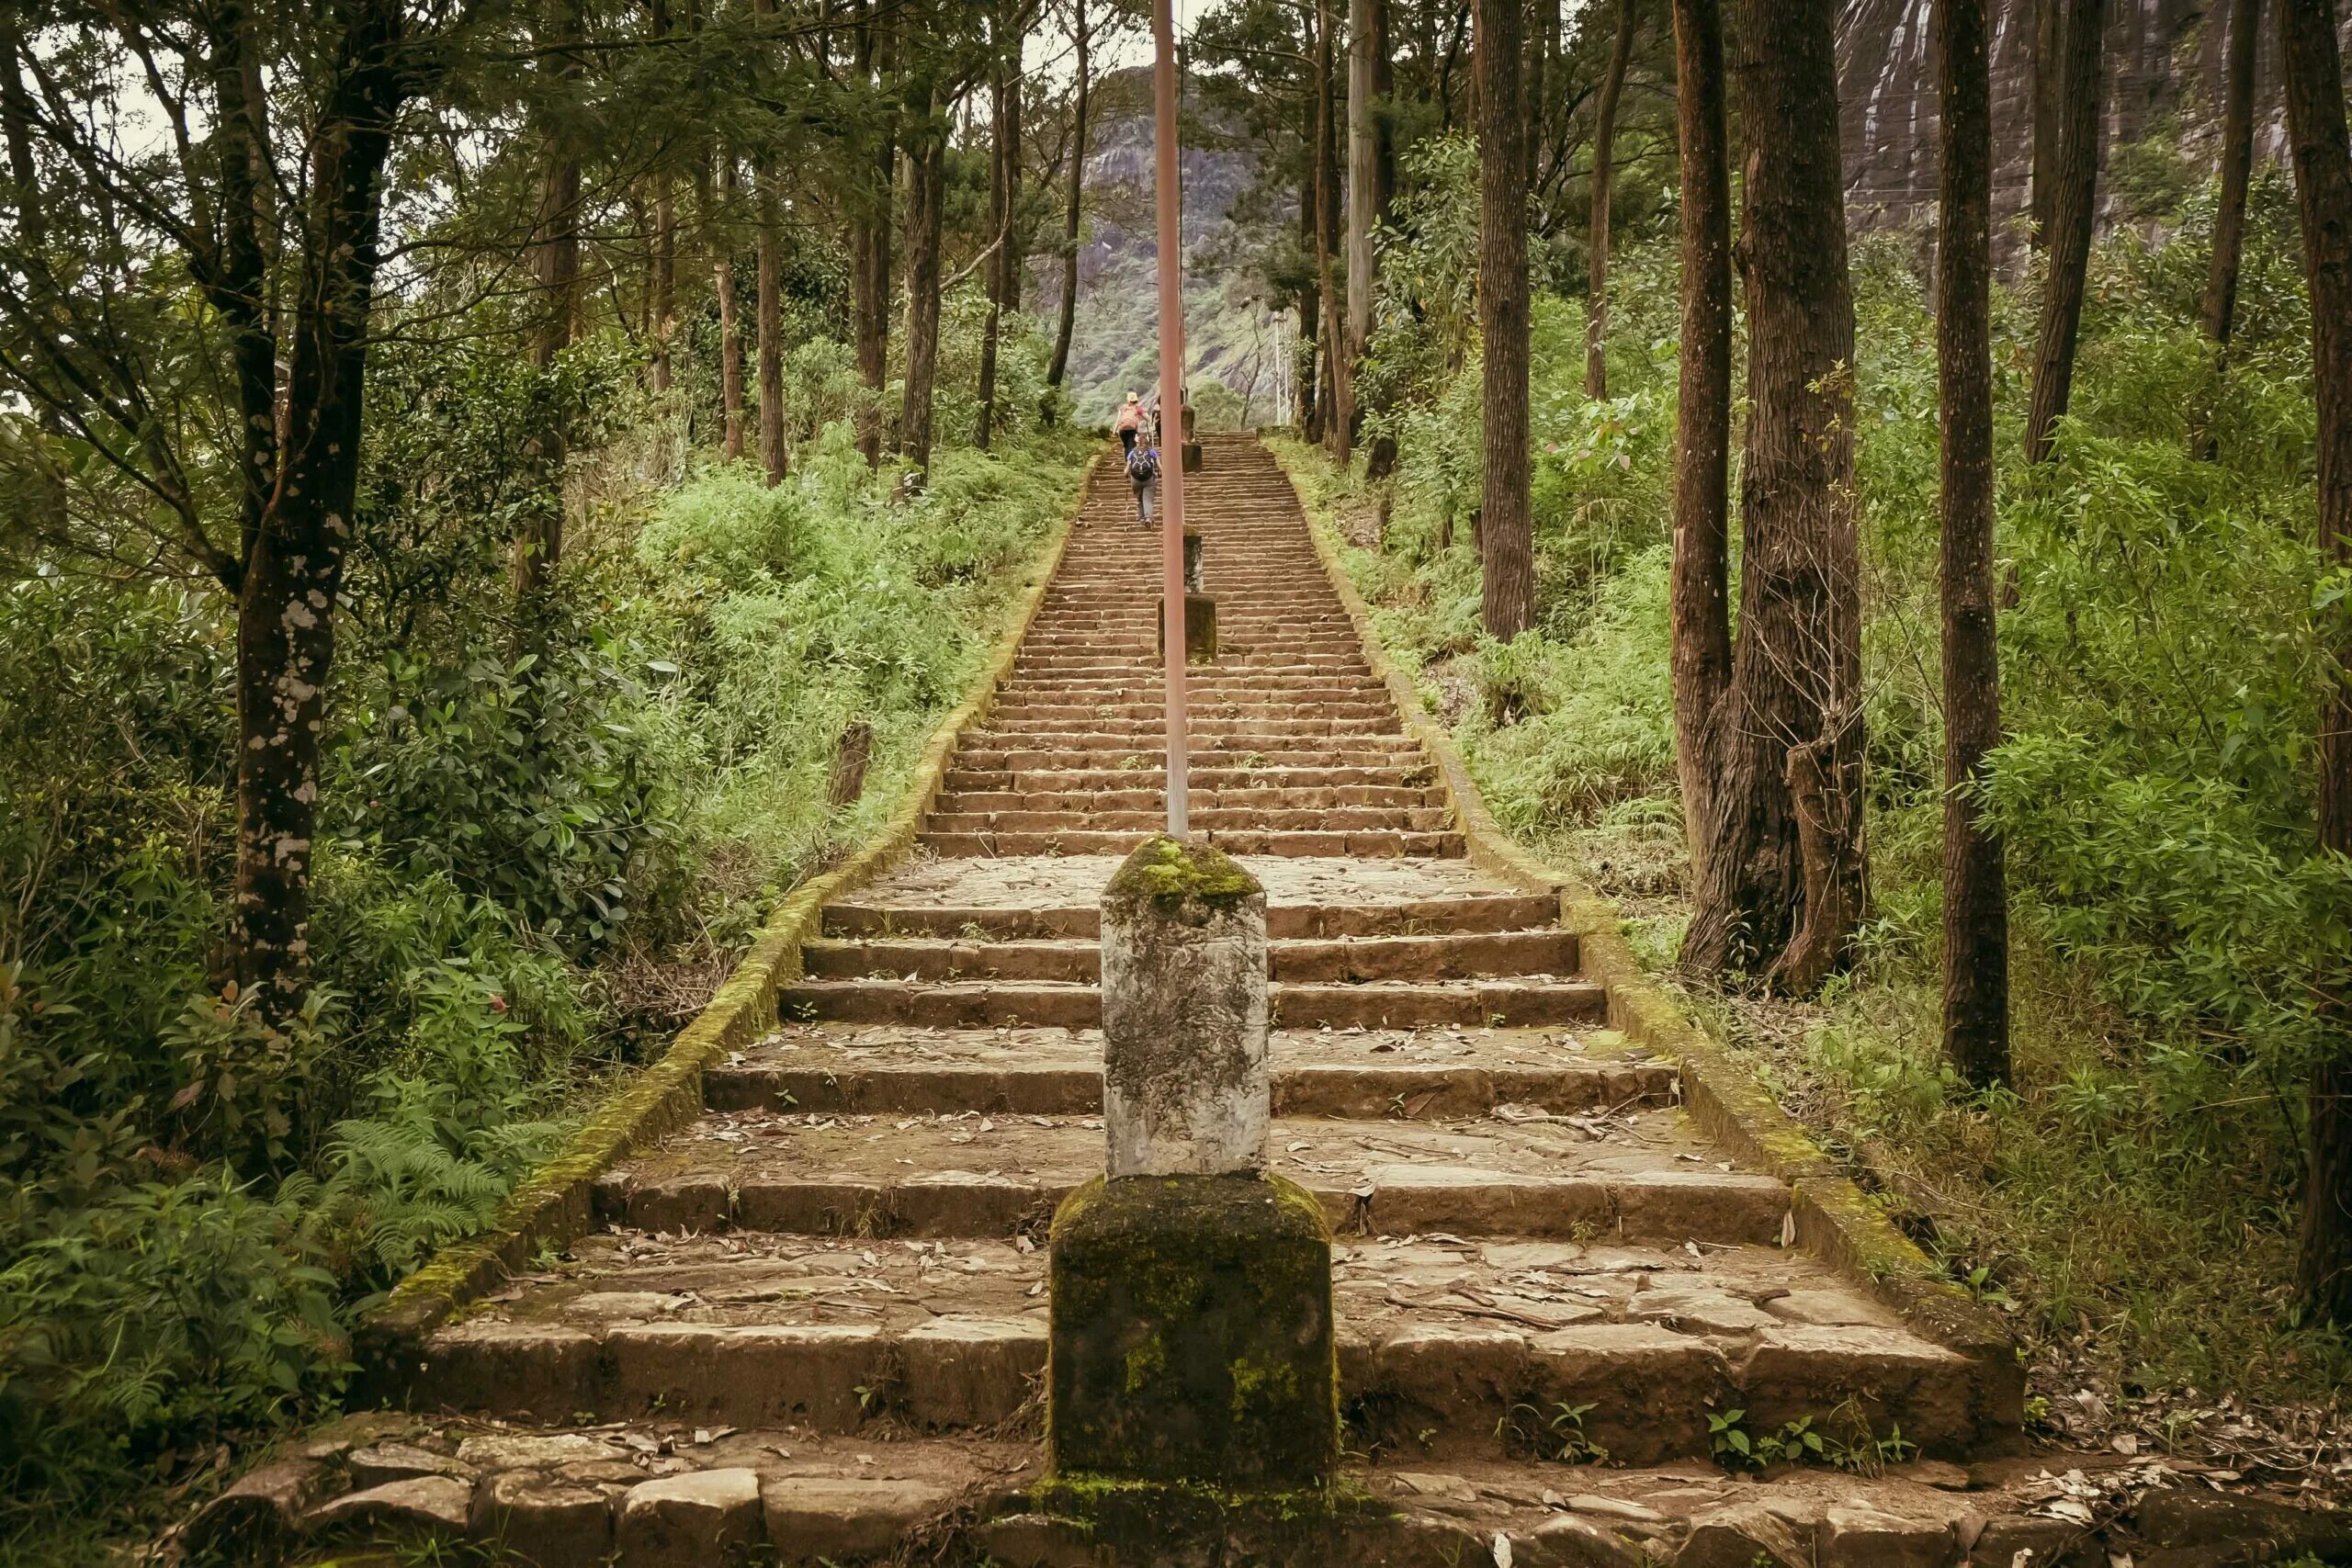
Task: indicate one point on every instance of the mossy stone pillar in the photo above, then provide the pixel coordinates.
(1191, 1291)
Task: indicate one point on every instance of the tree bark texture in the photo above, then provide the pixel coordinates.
(2049, 51)
(1340, 412)
(2073, 200)
(1698, 592)
(1310, 308)
(1976, 919)
(1003, 267)
(1367, 42)
(1057, 368)
(730, 322)
(1604, 135)
(294, 571)
(1506, 537)
(664, 284)
(869, 252)
(2316, 138)
(555, 263)
(926, 173)
(1783, 880)
(775, 453)
(2217, 311)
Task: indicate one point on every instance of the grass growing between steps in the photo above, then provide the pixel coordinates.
(2131, 1204)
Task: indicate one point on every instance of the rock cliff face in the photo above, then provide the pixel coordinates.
(2164, 64)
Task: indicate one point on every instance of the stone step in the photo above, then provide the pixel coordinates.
(1449, 956)
(970, 1174)
(1206, 778)
(1078, 797)
(1448, 1345)
(1402, 1075)
(952, 815)
(985, 1004)
(1371, 843)
(1481, 912)
(1144, 760)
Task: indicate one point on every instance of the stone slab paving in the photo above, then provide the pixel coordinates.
(812, 1321)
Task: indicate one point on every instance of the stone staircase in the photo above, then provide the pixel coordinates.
(816, 1318)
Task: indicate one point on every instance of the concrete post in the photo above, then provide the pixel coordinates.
(1191, 1336)
(1185, 1086)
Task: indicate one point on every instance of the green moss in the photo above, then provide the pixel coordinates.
(1170, 874)
(1192, 1332)
(1144, 1521)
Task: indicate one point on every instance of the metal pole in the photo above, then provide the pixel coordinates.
(1172, 399)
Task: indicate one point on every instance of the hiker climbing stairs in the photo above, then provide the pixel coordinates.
(816, 1315)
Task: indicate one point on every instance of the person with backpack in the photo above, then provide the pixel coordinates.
(1128, 424)
(1143, 472)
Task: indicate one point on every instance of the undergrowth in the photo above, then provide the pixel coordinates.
(2131, 1203)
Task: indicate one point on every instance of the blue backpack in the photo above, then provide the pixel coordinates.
(1143, 464)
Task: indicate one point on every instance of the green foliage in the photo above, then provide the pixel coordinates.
(2132, 1198)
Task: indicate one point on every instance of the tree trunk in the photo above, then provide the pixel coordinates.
(869, 231)
(1698, 592)
(294, 572)
(1783, 882)
(664, 282)
(556, 262)
(2218, 311)
(1604, 179)
(1059, 367)
(1506, 538)
(1976, 912)
(1367, 41)
(1310, 308)
(775, 456)
(1000, 217)
(1340, 412)
(926, 170)
(2048, 49)
(2074, 201)
(731, 325)
(2324, 203)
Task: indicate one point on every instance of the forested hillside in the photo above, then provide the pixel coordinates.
(493, 497)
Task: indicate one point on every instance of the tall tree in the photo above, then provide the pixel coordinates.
(769, 240)
(926, 180)
(869, 238)
(2049, 51)
(1507, 527)
(1004, 208)
(1604, 176)
(1700, 572)
(555, 248)
(2217, 311)
(1976, 922)
(1781, 887)
(731, 322)
(1340, 410)
(2074, 204)
(2316, 135)
(276, 415)
(663, 304)
(1057, 368)
(1367, 193)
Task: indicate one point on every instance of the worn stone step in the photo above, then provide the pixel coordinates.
(1401, 1074)
(1371, 843)
(1448, 956)
(949, 1176)
(1442, 1341)
(954, 816)
(1049, 797)
(987, 1004)
(1413, 775)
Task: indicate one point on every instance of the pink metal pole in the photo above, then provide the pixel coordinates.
(1172, 399)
